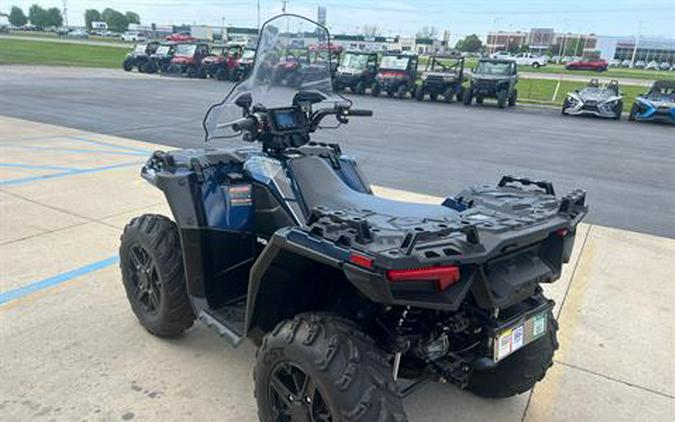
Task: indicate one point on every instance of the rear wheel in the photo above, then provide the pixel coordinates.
(536, 65)
(128, 65)
(221, 74)
(519, 372)
(466, 99)
(433, 97)
(479, 99)
(401, 91)
(375, 90)
(360, 88)
(419, 93)
(323, 368)
(618, 109)
(152, 272)
(502, 98)
(564, 107)
(513, 98)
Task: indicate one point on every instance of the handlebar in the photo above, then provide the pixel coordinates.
(363, 113)
(245, 123)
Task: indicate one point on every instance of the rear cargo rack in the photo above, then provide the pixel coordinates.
(546, 186)
(411, 239)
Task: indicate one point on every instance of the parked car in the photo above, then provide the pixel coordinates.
(77, 33)
(597, 65)
(640, 64)
(596, 100)
(625, 63)
(614, 63)
(529, 59)
(502, 55)
(653, 65)
(657, 103)
(180, 37)
(664, 66)
(134, 36)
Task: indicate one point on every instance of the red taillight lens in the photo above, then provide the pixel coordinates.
(562, 232)
(444, 276)
(361, 261)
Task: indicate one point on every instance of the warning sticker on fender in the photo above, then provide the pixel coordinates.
(509, 341)
(514, 338)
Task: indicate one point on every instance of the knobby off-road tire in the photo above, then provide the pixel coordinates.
(360, 88)
(419, 93)
(347, 369)
(467, 97)
(633, 112)
(502, 98)
(618, 109)
(128, 65)
(513, 98)
(519, 372)
(155, 238)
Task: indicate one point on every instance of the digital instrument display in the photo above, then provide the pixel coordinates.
(286, 120)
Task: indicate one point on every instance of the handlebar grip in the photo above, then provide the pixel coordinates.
(245, 123)
(364, 113)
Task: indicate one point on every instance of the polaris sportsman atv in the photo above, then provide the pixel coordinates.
(443, 76)
(160, 60)
(657, 104)
(493, 78)
(598, 101)
(357, 72)
(139, 56)
(352, 299)
(397, 74)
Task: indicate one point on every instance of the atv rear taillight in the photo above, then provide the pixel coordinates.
(361, 260)
(444, 276)
(562, 232)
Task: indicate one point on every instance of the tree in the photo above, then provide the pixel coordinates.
(17, 17)
(427, 32)
(53, 17)
(513, 48)
(469, 44)
(37, 16)
(132, 17)
(91, 15)
(116, 21)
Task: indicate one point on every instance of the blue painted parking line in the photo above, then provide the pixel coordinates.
(108, 144)
(24, 180)
(37, 167)
(75, 150)
(17, 293)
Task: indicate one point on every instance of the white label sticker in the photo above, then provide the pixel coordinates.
(539, 325)
(504, 344)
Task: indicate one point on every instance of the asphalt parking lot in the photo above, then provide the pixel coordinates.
(73, 351)
(436, 149)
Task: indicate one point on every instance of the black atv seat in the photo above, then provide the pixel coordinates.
(321, 186)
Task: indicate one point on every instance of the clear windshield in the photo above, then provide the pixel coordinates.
(163, 50)
(354, 61)
(394, 62)
(282, 67)
(185, 49)
(494, 68)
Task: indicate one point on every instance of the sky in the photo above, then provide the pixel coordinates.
(603, 17)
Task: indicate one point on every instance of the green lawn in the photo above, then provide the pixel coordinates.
(540, 91)
(63, 54)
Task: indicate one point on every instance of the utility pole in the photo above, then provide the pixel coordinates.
(258, 12)
(635, 47)
(65, 13)
(283, 5)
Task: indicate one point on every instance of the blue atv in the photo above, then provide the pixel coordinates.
(657, 104)
(354, 300)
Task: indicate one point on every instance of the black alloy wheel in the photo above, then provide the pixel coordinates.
(145, 279)
(295, 397)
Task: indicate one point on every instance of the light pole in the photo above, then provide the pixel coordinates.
(635, 47)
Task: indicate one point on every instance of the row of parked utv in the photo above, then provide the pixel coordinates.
(231, 61)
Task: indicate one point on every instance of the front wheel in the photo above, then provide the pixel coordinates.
(519, 372)
(513, 98)
(419, 93)
(502, 98)
(401, 91)
(536, 65)
(128, 65)
(152, 272)
(318, 367)
(633, 112)
(360, 88)
(618, 109)
(375, 90)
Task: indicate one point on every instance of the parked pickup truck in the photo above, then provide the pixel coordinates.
(529, 59)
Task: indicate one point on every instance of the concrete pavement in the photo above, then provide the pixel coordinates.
(72, 350)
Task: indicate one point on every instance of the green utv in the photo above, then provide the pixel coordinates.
(493, 78)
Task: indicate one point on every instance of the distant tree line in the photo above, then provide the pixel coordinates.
(116, 21)
(44, 18)
(37, 16)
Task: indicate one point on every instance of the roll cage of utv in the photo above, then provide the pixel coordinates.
(139, 56)
(397, 74)
(443, 76)
(493, 78)
(279, 239)
(358, 72)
